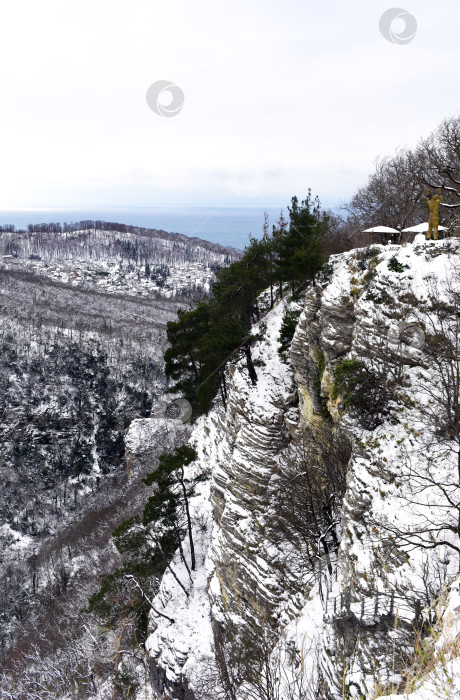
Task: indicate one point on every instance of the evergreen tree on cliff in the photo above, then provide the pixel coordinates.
(300, 249)
(217, 331)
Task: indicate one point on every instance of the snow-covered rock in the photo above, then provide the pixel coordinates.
(345, 624)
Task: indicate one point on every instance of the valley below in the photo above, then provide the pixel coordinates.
(82, 333)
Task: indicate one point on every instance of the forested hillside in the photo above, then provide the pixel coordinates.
(82, 335)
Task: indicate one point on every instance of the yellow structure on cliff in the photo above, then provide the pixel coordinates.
(433, 219)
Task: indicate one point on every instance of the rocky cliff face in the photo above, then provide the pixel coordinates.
(329, 521)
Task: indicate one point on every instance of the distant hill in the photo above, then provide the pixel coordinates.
(83, 315)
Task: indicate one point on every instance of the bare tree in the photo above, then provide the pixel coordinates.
(394, 194)
(258, 664)
(310, 489)
(443, 171)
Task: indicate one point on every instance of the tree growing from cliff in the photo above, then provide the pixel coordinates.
(218, 331)
(256, 663)
(168, 508)
(229, 338)
(147, 542)
(287, 330)
(368, 383)
(431, 476)
(362, 389)
(183, 364)
(308, 498)
(300, 247)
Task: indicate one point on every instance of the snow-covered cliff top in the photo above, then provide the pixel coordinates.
(341, 617)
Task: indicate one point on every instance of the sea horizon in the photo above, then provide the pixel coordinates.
(228, 225)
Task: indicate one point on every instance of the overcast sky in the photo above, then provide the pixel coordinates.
(279, 96)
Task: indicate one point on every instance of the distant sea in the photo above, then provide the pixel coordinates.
(229, 226)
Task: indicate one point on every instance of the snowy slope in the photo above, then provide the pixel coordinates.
(228, 443)
(347, 623)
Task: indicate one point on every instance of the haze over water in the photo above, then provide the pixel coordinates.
(229, 226)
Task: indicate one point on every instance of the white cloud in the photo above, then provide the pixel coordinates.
(279, 95)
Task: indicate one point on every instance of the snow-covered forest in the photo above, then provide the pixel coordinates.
(82, 335)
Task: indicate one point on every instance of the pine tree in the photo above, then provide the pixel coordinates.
(218, 330)
(182, 363)
(228, 337)
(300, 248)
(168, 507)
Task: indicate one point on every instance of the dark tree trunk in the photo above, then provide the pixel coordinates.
(223, 387)
(250, 364)
(189, 520)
